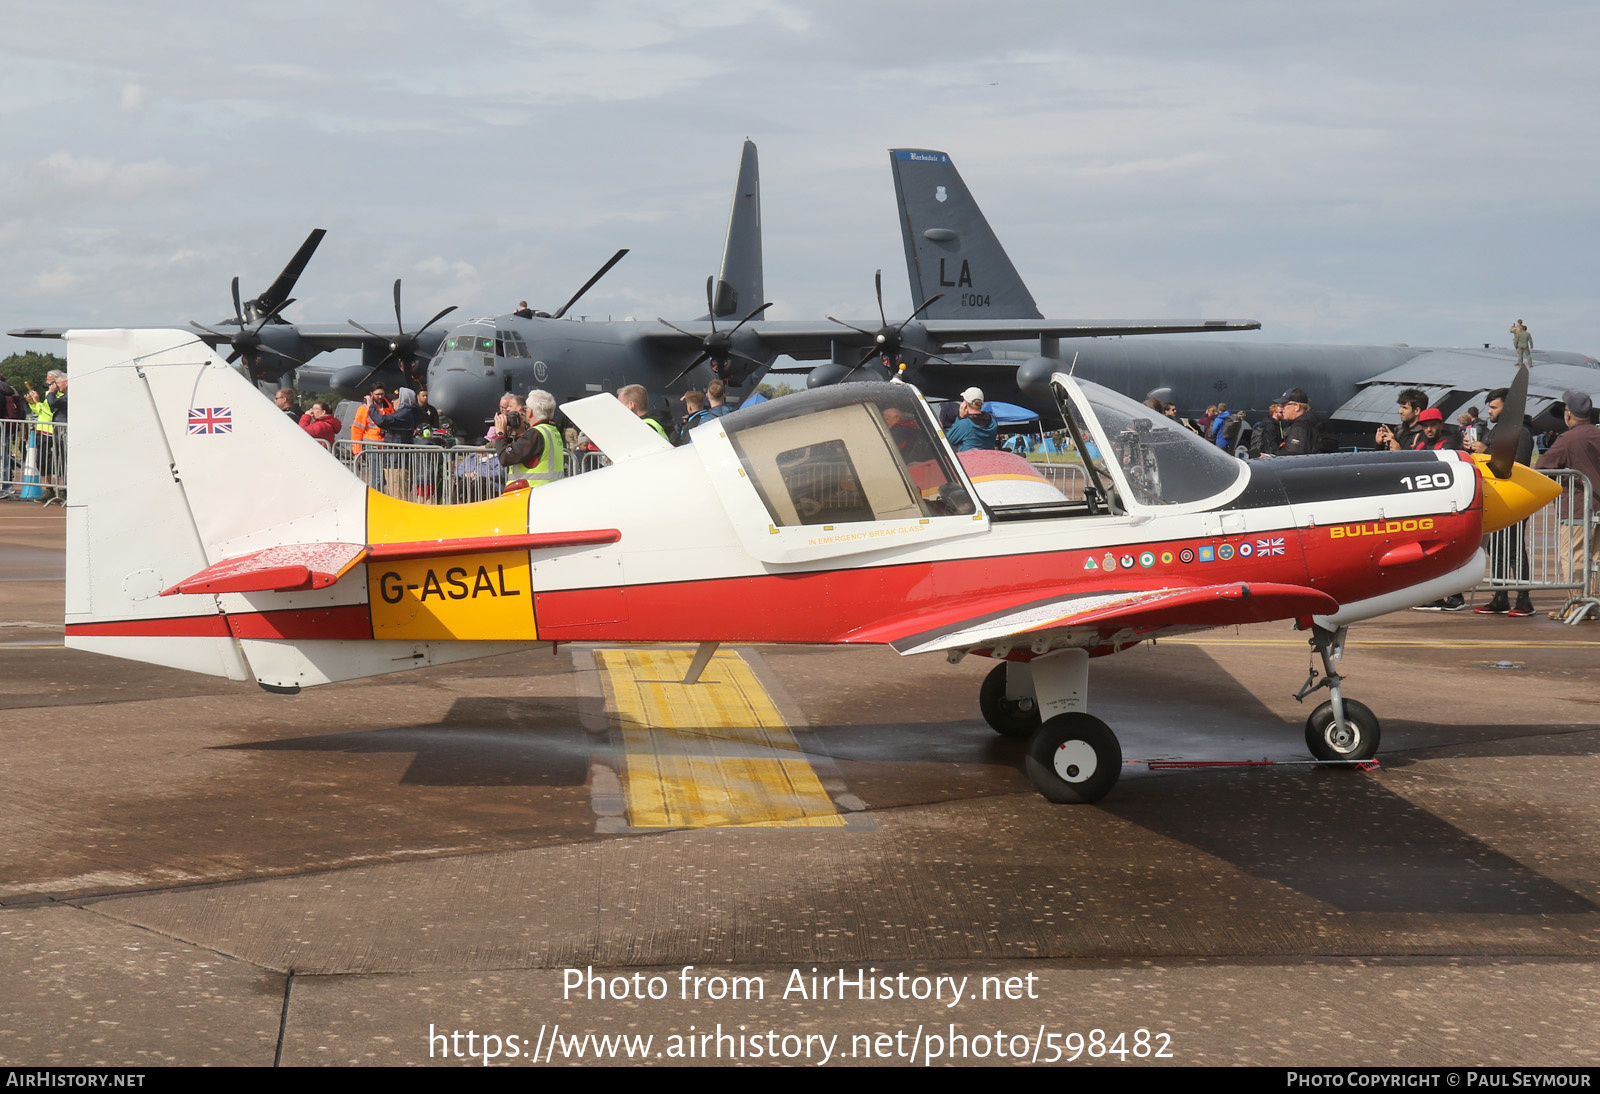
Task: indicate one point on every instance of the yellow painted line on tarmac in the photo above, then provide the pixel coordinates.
(713, 754)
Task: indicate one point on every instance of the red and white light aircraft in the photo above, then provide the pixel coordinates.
(834, 516)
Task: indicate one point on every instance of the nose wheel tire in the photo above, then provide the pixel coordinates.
(1007, 717)
(1073, 759)
(1357, 739)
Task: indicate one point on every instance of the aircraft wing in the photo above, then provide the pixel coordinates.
(963, 330)
(321, 336)
(809, 341)
(1460, 376)
(1099, 617)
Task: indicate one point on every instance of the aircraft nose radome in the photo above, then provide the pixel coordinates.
(465, 399)
(1507, 501)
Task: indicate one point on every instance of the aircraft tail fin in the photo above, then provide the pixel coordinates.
(165, 479)
(208, 532)
(740, 285)
(950, 247)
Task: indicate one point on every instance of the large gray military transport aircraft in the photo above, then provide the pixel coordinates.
(482, 359)
(469, 367)
(951, 251)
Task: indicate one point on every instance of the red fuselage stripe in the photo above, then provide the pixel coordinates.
(833, 605)
(348, 621)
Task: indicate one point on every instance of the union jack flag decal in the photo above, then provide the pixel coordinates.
(1272, 546)
(213, 419)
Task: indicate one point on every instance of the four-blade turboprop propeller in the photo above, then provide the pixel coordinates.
(717, 347)
(402, 346)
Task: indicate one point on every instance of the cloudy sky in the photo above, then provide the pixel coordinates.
(1347, 172)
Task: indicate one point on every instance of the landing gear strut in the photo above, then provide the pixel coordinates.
(1339, 729)
(1073, 757)
(1010, 715)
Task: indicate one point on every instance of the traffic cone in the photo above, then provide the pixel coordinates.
(31, 490)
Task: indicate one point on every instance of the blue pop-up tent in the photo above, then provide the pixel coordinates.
(1006, 414)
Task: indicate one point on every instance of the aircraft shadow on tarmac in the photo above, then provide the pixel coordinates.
(1338, 837)
(1342, 838)
(480, 742)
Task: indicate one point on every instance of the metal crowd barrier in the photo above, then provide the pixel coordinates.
(431, 474)
(33, 460)
(1063, 470)
(1551, 551)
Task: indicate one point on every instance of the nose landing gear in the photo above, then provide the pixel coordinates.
(1339, 729)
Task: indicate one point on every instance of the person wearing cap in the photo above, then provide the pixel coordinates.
(1578, 449)
(975, 428)
(1302, 430)
(1435, 437)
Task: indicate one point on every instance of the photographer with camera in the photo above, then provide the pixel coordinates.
(530, 449)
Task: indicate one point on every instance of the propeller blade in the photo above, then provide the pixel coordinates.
(235, 355)
(688, 368)
(399, 324)
(711, 307)
(277, 353)
(1508, 429)
(284, 283)
(675, 327)
(749, 317)
(589, 284)
(877, 282)
(238, 309)
(208, 330)
(435, 319)
(931, 300)
(858, 330)
(364, 330)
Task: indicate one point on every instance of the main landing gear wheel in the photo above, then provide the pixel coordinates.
(1357, 739)
(1074, 758)
(1007, 717)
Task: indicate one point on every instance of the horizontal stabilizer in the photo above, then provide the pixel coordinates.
(275, 570)
(1147, 612)
(522, 541)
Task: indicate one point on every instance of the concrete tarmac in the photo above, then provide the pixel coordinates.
(198, 872)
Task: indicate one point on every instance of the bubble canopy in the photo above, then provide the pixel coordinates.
(1140, 458)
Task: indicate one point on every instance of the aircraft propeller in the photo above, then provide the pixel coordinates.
(264, 309)
(1503, 455)
(246, 341)
(886, 340)
(718, 345)
(402, 346)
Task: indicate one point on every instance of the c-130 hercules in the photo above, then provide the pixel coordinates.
(951, 250)
(469, 367)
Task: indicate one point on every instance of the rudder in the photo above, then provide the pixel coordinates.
(950, 247)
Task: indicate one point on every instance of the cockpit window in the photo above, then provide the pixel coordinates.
(509, 343)
(1153, 458)
(861, 452)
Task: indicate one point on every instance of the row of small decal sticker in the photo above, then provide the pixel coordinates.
(1224, 552)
